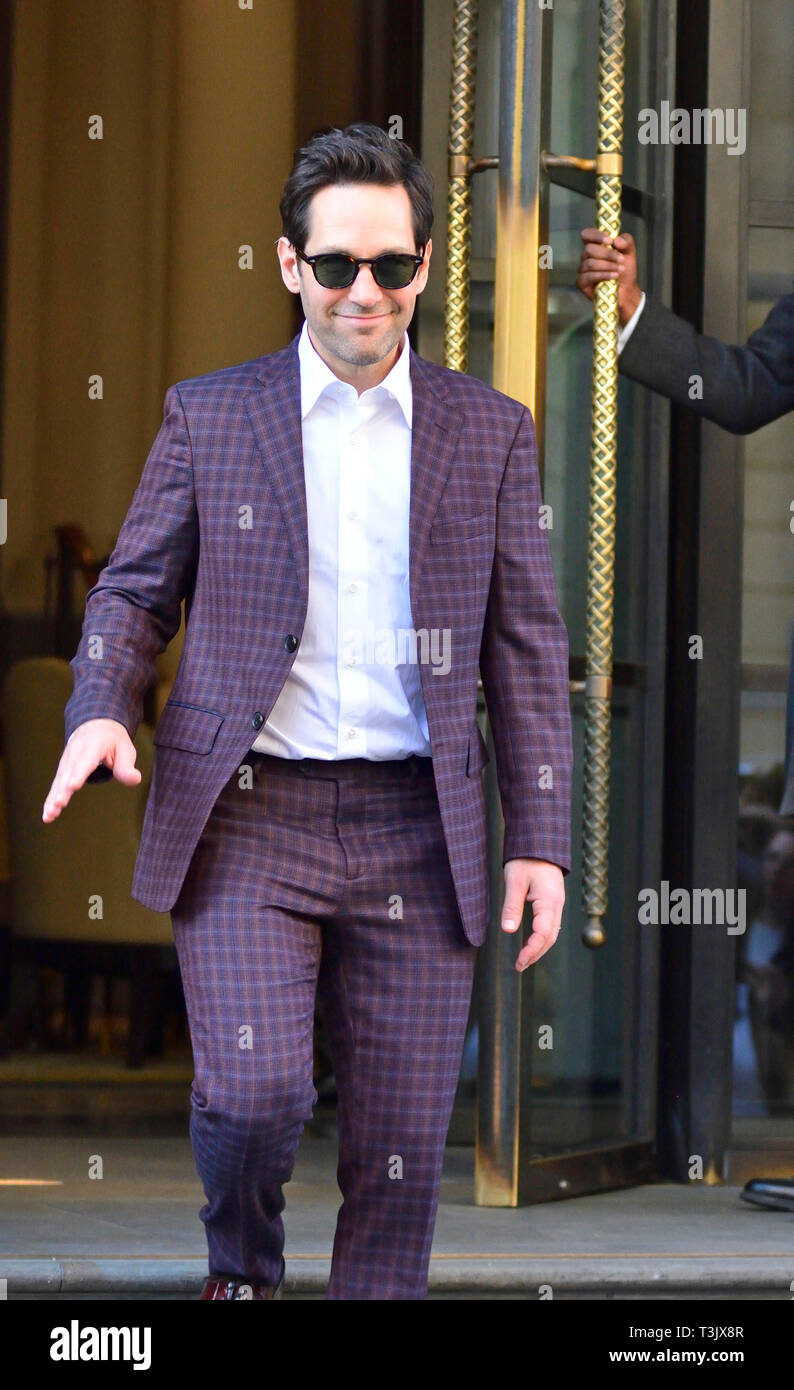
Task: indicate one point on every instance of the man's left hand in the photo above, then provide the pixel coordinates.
(542, 884)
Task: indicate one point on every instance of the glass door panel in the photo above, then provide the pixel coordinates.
(593, 1088)
(590, 1093)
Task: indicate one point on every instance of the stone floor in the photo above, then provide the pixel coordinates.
(135, 1232)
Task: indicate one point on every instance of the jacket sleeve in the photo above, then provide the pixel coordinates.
(743, 388)
(524, 668)
(134, 609)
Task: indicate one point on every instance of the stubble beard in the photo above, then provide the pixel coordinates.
(365, 353)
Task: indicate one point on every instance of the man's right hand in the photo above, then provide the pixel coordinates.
(610, 259)
(96, 741)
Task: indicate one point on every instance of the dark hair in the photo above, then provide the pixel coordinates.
(361, 153)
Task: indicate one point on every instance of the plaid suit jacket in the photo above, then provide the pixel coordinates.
(219, 519)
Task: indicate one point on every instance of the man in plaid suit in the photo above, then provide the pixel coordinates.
(355, 531)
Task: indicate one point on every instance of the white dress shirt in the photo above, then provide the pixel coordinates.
(354, 690)
(628, 328)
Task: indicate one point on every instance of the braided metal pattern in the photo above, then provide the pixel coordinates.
(461, 135)
(601, 532)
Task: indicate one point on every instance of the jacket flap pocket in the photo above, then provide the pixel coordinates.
(188, 727)
(477, 755)
(460, 530)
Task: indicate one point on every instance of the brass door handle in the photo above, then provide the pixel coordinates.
(605, 162)
(565, 161)
(460, 166)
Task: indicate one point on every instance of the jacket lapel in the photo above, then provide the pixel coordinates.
(275, 414)
(434, 438)
(275, 418)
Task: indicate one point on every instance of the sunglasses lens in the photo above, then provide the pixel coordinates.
(334, 272)
(394, 272)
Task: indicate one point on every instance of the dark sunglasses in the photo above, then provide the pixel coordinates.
(334, 271)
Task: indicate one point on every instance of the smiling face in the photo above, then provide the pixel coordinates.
(356, 331)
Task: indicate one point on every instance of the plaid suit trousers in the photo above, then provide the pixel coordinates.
(328, 878)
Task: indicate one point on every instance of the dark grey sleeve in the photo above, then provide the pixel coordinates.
(742, 388)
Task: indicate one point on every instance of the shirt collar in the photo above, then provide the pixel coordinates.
(316, 376)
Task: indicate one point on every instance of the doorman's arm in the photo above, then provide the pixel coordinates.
(739, 388)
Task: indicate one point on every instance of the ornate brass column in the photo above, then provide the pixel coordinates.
(461, 134)
(601, 532)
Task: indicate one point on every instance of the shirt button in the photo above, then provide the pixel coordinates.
(351, 516)
(352, 733)
(290, 642)
(352, 588)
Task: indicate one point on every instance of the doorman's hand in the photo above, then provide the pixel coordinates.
(542, 884)
(610, 259)
(97, 741)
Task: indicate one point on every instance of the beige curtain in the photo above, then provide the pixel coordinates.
(123, 252)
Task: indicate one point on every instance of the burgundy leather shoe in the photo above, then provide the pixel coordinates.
(227, 1287)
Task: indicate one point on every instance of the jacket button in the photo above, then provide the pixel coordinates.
(257, 720)
(290, 642)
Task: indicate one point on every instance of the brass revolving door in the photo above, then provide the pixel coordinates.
(535, 151)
